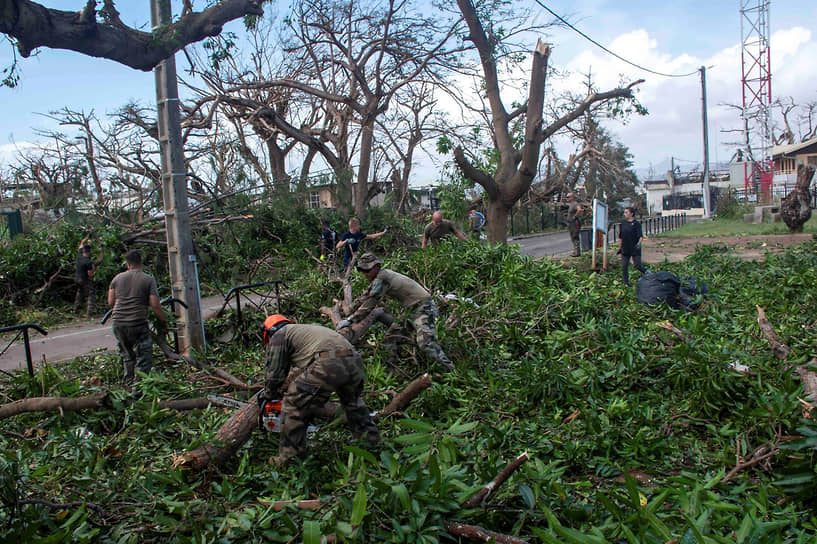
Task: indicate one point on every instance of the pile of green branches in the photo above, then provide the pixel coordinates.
(642, 424)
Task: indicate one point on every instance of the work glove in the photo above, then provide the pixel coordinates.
(618, 252)
(342, 324)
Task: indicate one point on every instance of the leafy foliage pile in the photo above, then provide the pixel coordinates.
(631, 429)
(37, 270)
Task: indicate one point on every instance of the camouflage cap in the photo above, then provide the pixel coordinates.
(367, 261)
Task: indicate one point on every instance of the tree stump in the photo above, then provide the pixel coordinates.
(795, 208)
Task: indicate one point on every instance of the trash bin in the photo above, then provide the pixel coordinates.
(586, 239)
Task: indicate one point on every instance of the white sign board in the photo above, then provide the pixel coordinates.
(599, 215)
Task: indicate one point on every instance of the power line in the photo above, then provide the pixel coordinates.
(597, 44)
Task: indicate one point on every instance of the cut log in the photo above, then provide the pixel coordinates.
(500, 479)
(234, 433)
(795, 208)
(479, 534)
(780, 349)
(53, 404)
(404, 398)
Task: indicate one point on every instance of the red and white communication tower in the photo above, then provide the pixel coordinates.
(757, 94)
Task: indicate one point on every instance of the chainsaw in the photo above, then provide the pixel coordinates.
(269, 416)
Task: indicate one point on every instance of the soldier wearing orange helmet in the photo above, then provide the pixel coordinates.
(330, 365)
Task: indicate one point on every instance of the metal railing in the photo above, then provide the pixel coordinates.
(23, 330)
(237, 292)
(650, 225)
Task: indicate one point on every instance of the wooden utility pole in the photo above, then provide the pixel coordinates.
(181, 259)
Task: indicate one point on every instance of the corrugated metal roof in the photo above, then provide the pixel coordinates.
(793, 148)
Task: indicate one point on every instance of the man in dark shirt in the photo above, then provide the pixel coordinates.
(130, 295)
(439, 228)
(83, 277)
(351, 241)
(629, 244)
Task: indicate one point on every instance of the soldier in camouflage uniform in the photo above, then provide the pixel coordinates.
(421, 308)
(574, 226)
(330, 364)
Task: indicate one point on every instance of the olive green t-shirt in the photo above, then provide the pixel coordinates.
(434, 233)
(132, 289)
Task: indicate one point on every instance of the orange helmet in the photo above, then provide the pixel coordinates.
(272, 324)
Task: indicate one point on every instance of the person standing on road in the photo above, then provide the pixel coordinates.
(574, 211)
(130, 294)
(629, 245)
(84, 276)
(351, 239)
(331, 365)
(439, 228)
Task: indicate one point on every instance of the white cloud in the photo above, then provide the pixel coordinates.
(674, 125)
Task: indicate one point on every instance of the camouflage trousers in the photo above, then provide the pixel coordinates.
(85, 295)
(310, 391)
(422, 320)
(573, 229)
(135, 348)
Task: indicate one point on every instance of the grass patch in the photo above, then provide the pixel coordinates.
(732, 227)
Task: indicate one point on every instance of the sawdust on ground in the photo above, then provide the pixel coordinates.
(748, 248)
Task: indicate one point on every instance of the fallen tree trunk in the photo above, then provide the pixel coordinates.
(780, 349)
(234, 433)
(52, 404)
(356, 332)
(480, 534)
(500, 479)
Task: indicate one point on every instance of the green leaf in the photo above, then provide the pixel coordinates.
(527, 495)
(312, 532)
(359, 505)
(401, 492)
(420, 426)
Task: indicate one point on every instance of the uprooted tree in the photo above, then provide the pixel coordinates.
(516, 165)
(795, 208)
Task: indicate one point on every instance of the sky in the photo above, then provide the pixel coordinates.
(670, 37)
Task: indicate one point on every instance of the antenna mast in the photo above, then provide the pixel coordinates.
(757, 95)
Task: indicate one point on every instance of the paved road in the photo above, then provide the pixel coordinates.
(83, 338)
(544, 245)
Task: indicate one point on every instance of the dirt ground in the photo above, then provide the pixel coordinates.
(748, 248)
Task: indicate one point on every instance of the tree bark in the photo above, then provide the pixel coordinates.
(53, 404)
(33, 25)
(781, 350)
(500, 478)
(403, 399)
(234, 434)
(480, 534)
(795, 208)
